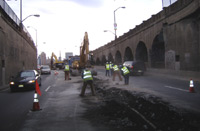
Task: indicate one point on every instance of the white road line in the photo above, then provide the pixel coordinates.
(5, 90)
(176, 88)
(48, 88)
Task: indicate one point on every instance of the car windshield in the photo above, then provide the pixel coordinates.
(127, 63)
(45, 67)
(27, 74)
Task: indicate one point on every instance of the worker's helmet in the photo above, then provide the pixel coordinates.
(107, 62)
(87, 69)
(110, 62)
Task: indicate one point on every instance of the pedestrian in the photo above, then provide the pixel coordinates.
(111, 68)
(66, 70)
(107, 66)
(116, 72)
(125, 73)
(87, 80)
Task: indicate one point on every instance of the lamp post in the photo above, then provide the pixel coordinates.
(115, 24)
(110, 32)
(36, 15)
(35, 35)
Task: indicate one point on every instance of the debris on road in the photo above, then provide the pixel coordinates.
(126, 110)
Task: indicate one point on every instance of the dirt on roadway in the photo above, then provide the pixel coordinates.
(127, 110)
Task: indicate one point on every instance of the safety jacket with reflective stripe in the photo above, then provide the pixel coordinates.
(107, 67)
(111, 66)
(115, 68)
(66, 67)
(125, 70)
(87, 75)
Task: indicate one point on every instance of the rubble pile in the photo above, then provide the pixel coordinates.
(121, 109)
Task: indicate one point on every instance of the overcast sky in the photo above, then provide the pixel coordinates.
(62, 23)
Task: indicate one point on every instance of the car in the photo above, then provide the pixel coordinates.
(45, 69)
(135, 67)
(38, 69)
(25, 80)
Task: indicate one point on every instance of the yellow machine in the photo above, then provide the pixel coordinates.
(55, 63)
(84, 57)
(84, 52)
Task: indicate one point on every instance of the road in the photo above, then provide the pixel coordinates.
(175, 91)
(62, 107)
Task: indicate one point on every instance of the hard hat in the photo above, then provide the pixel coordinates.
(110, 62)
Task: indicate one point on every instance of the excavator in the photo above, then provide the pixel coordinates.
(55, 63)
(84, 61)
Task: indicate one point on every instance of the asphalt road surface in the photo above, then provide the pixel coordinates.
(63, 108)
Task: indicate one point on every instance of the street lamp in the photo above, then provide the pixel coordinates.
(115, 24)
(36, 15)
(110, 32)
(35, 34)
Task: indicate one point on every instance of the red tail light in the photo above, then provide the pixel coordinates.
(131, 67)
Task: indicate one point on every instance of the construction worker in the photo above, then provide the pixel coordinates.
(87, 79)
(116, 72)
(111, 68)
(66, 70)
(107, 68)
(125, 73)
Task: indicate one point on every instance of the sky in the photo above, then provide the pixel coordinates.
(63, 23)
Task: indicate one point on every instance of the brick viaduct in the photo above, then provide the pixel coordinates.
(17, 50)
(169, 40)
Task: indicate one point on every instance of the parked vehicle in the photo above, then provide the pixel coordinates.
(136, 67)
(45, 69)
(25, 80)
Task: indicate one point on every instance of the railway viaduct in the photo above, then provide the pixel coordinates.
(168, 40)
(17, 49)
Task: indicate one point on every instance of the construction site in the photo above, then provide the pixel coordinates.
(120, 109)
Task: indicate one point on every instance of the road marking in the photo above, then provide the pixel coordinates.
(48, 88)
(4, 90)
(176, 88)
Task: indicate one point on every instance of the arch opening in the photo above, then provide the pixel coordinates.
(158, 52)
(128, 56)
(118, 58)
(141, 52)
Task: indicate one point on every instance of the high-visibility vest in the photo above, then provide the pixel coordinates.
(111, 66)
(66, 67)
(107, 67)
(87, 75)
(115, 68)
(125, 70)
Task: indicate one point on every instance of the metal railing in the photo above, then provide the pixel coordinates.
(13, 16)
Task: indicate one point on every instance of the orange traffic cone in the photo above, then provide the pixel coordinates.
(36, 106)
(55, 73)
(191, 89)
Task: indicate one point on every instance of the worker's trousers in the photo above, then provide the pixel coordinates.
(117, 73)
(126, 79)
(85, 83)
(66, 75)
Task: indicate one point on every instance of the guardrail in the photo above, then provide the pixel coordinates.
(13, 16)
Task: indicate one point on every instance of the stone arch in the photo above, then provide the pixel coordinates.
(128, 55)
(158, 52)
(141, 52)
(118, 57)
(98, 62)
(110, 58)
(103, 60)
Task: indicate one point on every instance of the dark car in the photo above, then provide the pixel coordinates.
(135, 67)
(25, 80)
